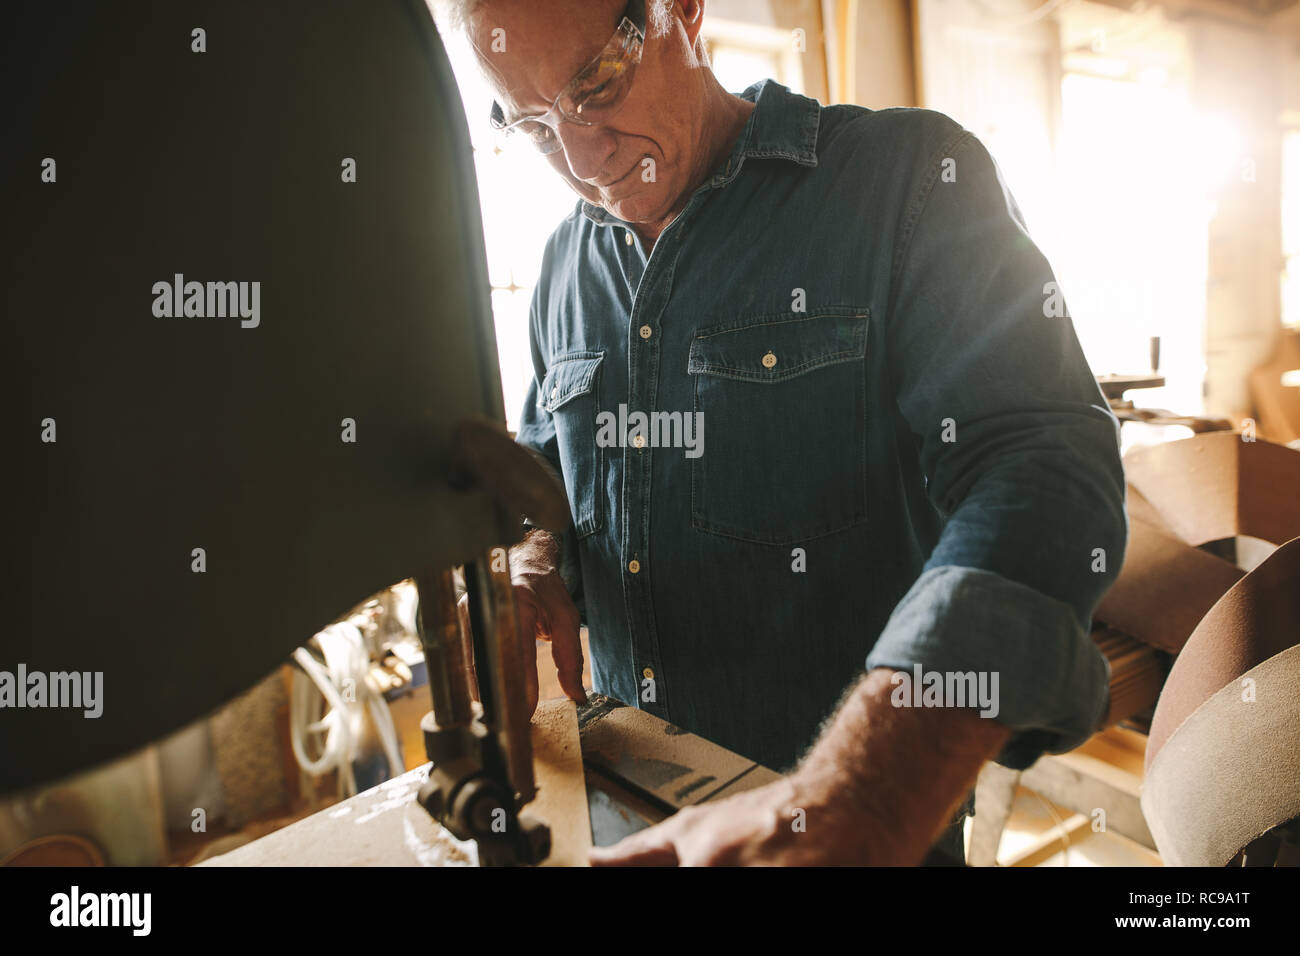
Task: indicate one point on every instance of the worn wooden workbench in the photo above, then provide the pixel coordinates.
(639, 770)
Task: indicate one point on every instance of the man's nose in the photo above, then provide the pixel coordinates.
(587, 149)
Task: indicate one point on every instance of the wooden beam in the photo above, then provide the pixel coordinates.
(1050, 842)
(1084, 783)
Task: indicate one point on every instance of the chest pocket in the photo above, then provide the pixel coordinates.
(569, 393)
(784, 406)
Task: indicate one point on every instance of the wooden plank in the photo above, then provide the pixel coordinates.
(677, 768)
(561, 787)
(383, 826)
(759, 776)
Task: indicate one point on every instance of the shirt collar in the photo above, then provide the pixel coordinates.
(783, 125)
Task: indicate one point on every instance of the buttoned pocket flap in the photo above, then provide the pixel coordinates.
(568, 378)
(776, 349)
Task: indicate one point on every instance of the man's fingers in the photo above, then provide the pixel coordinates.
(652, 847)
(558, 622)
(566, 649)
(527, 612)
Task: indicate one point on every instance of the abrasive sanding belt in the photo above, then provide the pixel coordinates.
(1223, 760)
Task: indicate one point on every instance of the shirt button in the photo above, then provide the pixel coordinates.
(555, 393)
(648, 673)
(639, 441)
(646, 331)
(627, 237)
(634, 565)
(769, 360)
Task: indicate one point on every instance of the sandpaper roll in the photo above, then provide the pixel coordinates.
(1230, 772)
(1258, 618)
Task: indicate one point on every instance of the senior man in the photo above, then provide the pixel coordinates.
(823, 425)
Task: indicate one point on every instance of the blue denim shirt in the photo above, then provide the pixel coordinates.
(905, 459)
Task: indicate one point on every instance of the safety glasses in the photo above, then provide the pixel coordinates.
(594, 95)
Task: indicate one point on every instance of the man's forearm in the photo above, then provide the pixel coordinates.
(892, 777)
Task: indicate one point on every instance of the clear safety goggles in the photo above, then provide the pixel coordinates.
(594, 95)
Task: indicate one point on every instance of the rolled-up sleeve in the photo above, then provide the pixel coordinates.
(1020, 455)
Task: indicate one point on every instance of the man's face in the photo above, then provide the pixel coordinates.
(545, 45)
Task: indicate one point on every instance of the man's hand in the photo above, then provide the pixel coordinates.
(545, 611)
(786, 823)
(877, 789)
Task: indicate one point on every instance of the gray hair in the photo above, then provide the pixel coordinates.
(659, 14)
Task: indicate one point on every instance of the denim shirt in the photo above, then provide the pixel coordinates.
(905, 459)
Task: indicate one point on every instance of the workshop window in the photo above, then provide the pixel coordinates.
(741, 54)
(521, 200)
(1291, 229)
(1139, 171)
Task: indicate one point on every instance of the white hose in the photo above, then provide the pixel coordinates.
(347, 665)
(304, 711)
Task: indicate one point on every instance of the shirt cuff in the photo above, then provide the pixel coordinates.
(1031, 660)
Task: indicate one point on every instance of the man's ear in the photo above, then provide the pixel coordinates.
(692, 14)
